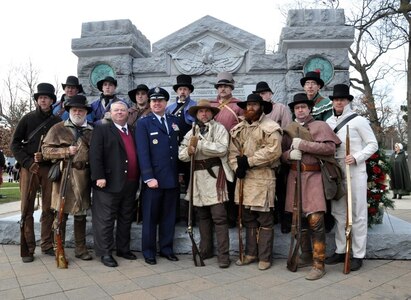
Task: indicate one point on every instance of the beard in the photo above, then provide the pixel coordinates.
(77, 120)
(252, 115)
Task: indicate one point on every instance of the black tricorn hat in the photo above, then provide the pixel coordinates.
(267, 106)
(299, 99)
(313, 75)
(132, 93)
(73, 81)
(183, 80)
(109, 79)
(158, 93)
(262, 86)
(79, 101)
(341, 91)
(45, 89)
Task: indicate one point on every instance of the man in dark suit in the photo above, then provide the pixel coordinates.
(115, 174)
(157, 148)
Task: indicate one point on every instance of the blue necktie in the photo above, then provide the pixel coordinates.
(124, 130)
(163, 122)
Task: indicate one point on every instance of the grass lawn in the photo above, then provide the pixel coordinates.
(9, 192)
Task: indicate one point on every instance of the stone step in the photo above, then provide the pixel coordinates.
(390, 240)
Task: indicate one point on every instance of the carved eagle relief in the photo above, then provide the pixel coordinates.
(198, 58)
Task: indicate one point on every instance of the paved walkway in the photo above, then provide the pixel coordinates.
(378, 279)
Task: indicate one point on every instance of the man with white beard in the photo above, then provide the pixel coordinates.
(65, 140)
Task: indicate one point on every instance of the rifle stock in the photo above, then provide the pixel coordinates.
(24, 248)
(293, 254)
(61, 260)
(348, 224)
(194, 247)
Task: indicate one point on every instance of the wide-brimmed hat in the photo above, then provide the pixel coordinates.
(299, 99)
(183, 80)
(45, 89)
(341, 91)
(262, 86)
(225, 78)
(202, 104)
(313, 75)
(73, 81)
(132, 93)
(79, 101)
(267, 106)
(158, 93)
(101, 82)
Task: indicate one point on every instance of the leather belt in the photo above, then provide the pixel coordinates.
(306, 168)
(207, 164)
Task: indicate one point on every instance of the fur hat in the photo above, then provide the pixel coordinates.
(183, 80)
(313, 75)
(73, 81)
(225, 78)
(341, 91)
(202, 104)
(45, 89)
(299, 99)
(79, 101)
(267, 106)
(101, 82)
(262, 86)
(132, 93)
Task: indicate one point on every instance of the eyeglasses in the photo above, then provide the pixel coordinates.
(310, 83)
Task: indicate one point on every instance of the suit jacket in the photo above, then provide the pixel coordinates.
(108, 157)
(157, 150)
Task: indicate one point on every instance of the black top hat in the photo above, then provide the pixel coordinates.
(262, 86)
(73, 81)
(132, 93)
(158, 93)
(45, 89)
(183, 80)
(79, 101)
(313, 75)
(267, 106)
(225, 78)
(341, 91)
(202, 104)
(109, 79)
(299, 99)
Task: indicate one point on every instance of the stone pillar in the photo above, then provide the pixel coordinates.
(316, 39)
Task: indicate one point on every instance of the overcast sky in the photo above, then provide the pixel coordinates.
(42, 30)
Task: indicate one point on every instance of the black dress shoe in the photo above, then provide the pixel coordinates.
(109, 261)
(127, 255)
(150, 261)
(170, 257)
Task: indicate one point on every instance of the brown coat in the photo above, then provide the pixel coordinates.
(261, 142)
(323, 141)
(55, 147)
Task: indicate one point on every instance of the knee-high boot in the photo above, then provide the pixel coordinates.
(206, 237)
(317, 227)
(223, 245)
(80, 250)
(265, 247)
(306, 257)
(251, 250)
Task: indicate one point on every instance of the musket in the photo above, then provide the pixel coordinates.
(61, 260)
(194, 247)
(24, 248)
(348, 224)
(240, 214)
(293, 254)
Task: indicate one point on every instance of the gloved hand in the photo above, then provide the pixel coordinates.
(240, 173)
(296, 154)
(34, 168)
(242, 162)
(296, 143)
(193, 141)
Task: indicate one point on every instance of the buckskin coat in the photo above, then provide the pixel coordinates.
(323, 142)
(261, 143)
(55, 147)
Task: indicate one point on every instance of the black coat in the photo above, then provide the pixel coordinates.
(400, 175)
